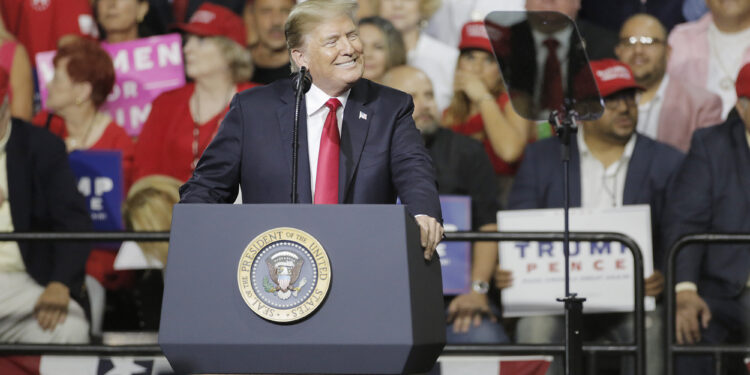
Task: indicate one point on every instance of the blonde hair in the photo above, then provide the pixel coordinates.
(148, 208)
(427, 8)
(305, 16)
(238, 57)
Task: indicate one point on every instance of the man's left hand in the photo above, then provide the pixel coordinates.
(654, 284)
(52, 306)
(430, 234)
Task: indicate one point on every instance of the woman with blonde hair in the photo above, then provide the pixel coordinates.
(183, 121)
(148, 208)
(480, 108)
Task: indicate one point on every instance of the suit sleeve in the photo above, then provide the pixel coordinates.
(523, 192)
(688, 210)
(411, 167)
(217, 175)
(67, 210)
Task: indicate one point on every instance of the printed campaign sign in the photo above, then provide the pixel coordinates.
(455, 257)
(602, 272)
(144, 69)
(100, 181)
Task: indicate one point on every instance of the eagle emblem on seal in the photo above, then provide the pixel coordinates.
(284, 269)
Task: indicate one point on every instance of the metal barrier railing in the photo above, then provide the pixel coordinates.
(671, 347)
(638, 348)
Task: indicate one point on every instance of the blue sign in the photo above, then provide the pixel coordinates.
(455, 257)
(100, 181)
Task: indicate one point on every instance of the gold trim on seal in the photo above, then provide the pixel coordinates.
(315, 297)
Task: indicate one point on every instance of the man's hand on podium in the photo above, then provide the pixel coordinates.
(430, 234)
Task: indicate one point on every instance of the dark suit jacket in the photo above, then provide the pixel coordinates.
(539, 182)
(382, 155)
(712, 194)
(44, 197)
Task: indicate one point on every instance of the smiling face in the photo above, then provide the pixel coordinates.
(333, 54)
(647, 61)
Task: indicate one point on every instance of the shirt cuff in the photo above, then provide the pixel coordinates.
(685, 285)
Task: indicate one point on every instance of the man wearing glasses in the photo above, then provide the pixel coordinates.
(669, 110)
(611, 166)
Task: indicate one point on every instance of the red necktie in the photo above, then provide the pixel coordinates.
(327, 177)
(552, 92)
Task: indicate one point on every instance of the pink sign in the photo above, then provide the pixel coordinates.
(144, 69)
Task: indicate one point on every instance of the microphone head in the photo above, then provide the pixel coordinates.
(302, 80)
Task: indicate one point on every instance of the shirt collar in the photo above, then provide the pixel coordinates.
(316, 99)
(562, 36)
(4, 140)
(583, 149)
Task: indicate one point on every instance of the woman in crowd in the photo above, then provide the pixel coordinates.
(183, 122)
(84, 77)
(480, 108)
(435, 58)
(383, 47)
(15, 60)
(121, 20)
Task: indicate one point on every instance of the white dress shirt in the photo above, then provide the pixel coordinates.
(725, 61)
(648, 113)
(315, 101)
(10, 254)
(603, 187)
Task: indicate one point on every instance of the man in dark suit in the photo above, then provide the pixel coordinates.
(38, 193)
(611, 165)
(712, 194)
(378, 155)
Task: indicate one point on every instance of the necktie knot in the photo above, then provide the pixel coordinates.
(333, 104)
(551, 44)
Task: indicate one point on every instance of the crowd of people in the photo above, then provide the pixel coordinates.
(674, 133)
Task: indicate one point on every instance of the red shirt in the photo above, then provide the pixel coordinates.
(114, 138)
(165, 145)
(475, 125)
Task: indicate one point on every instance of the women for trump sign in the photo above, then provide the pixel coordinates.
(601, 272)
(144, 68)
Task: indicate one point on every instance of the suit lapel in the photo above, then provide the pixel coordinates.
(742, 155)
(638, 168)
(354, 131)
(285, 115)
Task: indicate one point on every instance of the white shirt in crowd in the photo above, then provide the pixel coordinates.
(446, 24)
(603, 187)
(724, 63)
(315, 101)
(648, 113)
(10, 254)
(438, 61)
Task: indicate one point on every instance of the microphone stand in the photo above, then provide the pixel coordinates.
(565, 126)
(302, 83)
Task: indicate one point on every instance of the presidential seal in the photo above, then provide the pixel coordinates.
(284, 275)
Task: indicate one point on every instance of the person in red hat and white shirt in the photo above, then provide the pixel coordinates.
(711, 194)
(611, 166)
(42, 299)
(183, 121)
(480, 107)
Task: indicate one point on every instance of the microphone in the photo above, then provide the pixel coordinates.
(301, 84)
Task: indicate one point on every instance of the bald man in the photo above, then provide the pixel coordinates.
(668, 109)
(462, 168)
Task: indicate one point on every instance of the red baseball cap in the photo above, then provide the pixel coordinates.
(612, 76)
(743, 82)
(4, 82)
(215, 20)
(474, 36)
